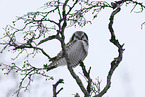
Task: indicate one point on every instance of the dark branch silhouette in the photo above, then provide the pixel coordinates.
(87, 75)
(116, 61)
(55, 93)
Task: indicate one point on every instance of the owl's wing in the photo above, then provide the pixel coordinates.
(60, 54)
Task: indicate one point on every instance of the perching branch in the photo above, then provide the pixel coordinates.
(87, 75)
(61, 32)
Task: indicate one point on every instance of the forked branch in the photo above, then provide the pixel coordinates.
(55, 93)
(116, 61)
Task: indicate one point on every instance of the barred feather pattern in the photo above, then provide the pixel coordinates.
(77, 51)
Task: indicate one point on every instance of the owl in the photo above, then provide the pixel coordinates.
(77, 50)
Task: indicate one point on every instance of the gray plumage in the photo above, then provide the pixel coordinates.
(77, 49)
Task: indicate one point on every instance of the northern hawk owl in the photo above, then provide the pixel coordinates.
(77, 50)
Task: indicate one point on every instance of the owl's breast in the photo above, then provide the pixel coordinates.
(77, 53)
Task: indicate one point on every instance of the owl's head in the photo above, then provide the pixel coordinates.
(79, 35)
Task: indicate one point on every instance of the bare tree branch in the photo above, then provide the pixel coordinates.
(87, 75)
(48, 38)
(55, 86)
(116, 61)
(27, 71)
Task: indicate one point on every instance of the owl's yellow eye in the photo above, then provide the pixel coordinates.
(82, 37)
(78, 37)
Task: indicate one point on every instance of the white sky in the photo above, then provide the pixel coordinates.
(128, 79)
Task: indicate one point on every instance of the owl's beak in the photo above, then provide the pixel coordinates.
(80, 38)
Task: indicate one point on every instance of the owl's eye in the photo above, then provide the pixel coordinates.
(82, 37)
(77, 37)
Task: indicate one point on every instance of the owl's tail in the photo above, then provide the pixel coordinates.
(55, 64)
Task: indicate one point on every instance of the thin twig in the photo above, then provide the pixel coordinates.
(55, 86)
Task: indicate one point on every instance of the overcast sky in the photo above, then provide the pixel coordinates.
(128, 79)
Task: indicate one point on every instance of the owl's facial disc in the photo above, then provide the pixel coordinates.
(79, 35)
